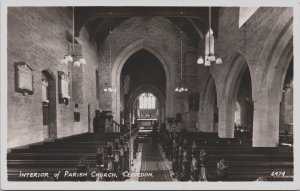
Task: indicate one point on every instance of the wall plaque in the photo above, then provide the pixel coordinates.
(23, 78)
(63, 86)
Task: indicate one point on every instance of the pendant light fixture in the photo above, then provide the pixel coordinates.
(181, 89)
(108, 88)
(210, 57)
(71, 56)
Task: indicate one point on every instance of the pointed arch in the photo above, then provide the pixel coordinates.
(229, 95)
(151, 89)
(117, 68)
(276, 56)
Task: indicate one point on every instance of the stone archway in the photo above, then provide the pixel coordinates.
(269, 88)
(229, 95)
(267, 107)
(151, 89)
(117, 69)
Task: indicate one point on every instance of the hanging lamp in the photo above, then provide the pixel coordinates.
(181, 89)
(210, 58)
(71, 56)
(108, 88)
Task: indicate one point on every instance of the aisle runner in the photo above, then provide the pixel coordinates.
(152, 162)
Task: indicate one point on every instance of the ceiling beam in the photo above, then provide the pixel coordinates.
(100, 26)
(200, 33)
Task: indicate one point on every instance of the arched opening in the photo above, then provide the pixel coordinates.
(286, 104)
(237, 89)
(49, 104)
(119, 64)
(147, 83)
(131, 107)
(244, 107)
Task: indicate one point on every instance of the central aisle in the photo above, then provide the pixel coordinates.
(152, 162)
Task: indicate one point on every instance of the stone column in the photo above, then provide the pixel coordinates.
(206, 119)
(226, 120)
(266, 123)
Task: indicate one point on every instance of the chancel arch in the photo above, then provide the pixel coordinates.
(117, 69)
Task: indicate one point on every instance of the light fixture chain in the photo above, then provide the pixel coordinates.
(245, 38)
(73, 32)
(209, 27)
(181, 55)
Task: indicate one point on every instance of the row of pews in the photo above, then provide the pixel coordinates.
(205, 157)
(85, 157)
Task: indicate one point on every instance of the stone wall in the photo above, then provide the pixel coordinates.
(157, 35)
(37, 36)
(264, 44)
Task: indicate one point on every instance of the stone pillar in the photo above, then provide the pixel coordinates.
(266, 123)
(226, 120)
(206, 120)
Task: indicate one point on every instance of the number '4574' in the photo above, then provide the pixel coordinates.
(278, 173)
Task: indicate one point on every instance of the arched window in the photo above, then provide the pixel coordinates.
(209, 43)
(237, 114)
(45, 89)
(147, 101)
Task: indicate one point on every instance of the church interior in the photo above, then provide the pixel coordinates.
(150, 93)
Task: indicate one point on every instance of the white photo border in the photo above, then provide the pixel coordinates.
(8, 185)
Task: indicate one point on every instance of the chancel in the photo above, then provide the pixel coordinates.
(99, 93)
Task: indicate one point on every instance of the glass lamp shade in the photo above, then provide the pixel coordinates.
(185, 89)
(181, 89)
(200, 60)
(211, 58)
(219, 61)
(176, 89)
(77, 63)
(82, 61)
(207, 63)
(64, 61)
(109, 89)
(69, 58)
(105, 89)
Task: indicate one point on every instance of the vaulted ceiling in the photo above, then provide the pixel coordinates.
(98, 20)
